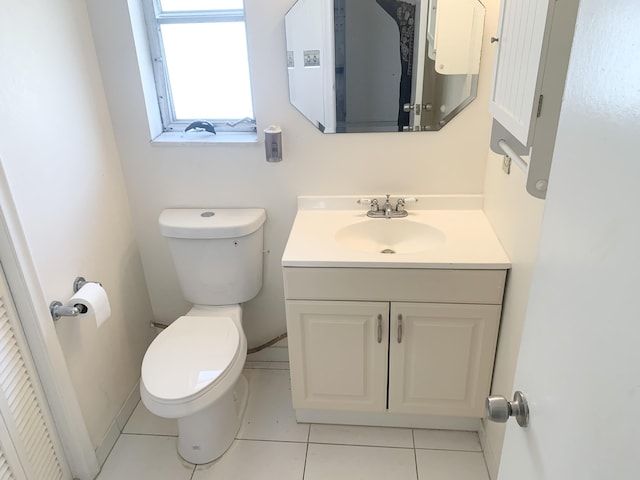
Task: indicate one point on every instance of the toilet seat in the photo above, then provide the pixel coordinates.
(190, 357)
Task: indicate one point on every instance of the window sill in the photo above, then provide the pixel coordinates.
(204, 138)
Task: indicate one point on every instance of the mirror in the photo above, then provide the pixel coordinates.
(383, 65)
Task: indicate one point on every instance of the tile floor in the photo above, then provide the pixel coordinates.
(271, 445)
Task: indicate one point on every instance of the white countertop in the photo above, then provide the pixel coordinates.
(470, 241)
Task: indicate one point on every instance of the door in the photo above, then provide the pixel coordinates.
(441, 357)
(338, 353)
(579, 364)
(28, 447)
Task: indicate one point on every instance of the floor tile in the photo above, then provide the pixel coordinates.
(338, 462)
(145, 457)
(448, 465)
(271, 445)
(269, 414)
(447, 440)
(354, 435)
(257, 460)
(143, 422)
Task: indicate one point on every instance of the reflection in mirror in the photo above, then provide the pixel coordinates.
(383, 65)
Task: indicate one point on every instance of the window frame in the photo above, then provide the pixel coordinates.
(154, 18)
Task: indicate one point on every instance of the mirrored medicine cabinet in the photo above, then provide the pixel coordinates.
(383, 65)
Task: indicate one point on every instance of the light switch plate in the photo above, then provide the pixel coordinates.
(312, 58)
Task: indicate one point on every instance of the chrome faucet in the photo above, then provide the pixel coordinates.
(387, 210)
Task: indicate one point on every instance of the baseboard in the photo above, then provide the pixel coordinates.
(129, 406)
(107, 444)
(386, 419)
(112, 435)
(276, 353)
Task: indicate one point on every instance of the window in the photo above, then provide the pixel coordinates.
(201, 66)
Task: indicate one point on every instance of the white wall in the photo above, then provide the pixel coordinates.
(450, 161)
(516, 218)
(61, 162)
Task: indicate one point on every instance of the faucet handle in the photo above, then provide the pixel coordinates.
(403, 201)
(372, 203)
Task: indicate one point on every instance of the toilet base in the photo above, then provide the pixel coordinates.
(206, 435)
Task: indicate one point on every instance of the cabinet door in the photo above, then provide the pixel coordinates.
(515, 88)
(338, 354)
(441, 357)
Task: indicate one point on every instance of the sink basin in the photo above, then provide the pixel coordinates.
(448, 232)
(390, 236)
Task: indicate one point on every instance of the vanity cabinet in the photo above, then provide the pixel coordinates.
(426, 346)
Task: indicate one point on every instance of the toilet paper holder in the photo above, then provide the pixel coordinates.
(58, 309)
(79, 282)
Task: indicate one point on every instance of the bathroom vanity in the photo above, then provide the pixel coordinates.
(399, 339)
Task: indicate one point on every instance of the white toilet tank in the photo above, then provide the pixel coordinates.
(217, 252)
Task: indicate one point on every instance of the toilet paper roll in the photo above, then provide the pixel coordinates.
(94, 298)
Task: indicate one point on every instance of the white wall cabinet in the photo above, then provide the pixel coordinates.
(520, 42)
(533, 44)
(421, 351)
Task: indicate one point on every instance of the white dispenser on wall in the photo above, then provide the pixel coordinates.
(273, 143)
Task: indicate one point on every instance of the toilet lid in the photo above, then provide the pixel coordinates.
(189, 356)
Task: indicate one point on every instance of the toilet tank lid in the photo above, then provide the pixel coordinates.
(199, 223)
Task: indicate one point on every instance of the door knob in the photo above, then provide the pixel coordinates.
(499, 409)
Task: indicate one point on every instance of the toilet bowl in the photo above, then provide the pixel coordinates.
(192, 371)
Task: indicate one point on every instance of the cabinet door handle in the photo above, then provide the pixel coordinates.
(379, 328)
(400, 328)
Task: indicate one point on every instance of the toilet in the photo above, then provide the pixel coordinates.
(192, 371)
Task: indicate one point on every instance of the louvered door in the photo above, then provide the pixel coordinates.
(28, 450)
(10, 464)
